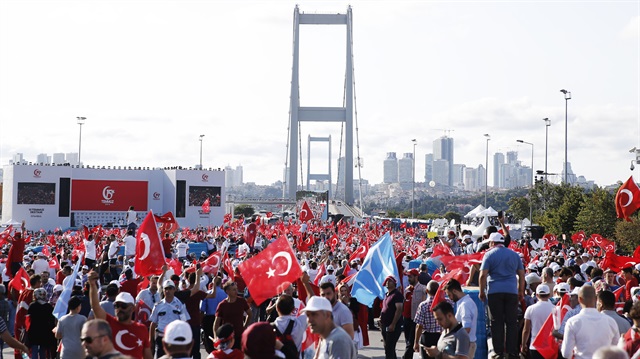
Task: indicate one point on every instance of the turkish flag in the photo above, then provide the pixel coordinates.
(206, 206)
(53, 263)
(227, 218)
(168, 223)
(616, 262)
(305, 213)
(227, 266)
(269, 214)
(212, 264)
(321, 272)
(441, 250)
(578, 237)
(21, 281)
(143, 313)
(4, 235)
(627, 199)
(360, 252)
(45, 251)
(176, 266)
(149, 251)
(250, 234)
(333, 242)
(440, 294)
(270, 271)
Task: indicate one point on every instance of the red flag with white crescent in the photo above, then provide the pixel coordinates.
(149, 250)
(20, 281)
(360, 252)
(227, 266)
(206, 206)
(305, 213)
(627, 199)
(4, 235)
(270, 271)
(212, 263)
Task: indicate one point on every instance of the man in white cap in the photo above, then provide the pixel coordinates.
(335, 342)
(164, 312)
(534, 318)
(329, 277)
(177, 340)
(41, 264)
(502, 285)
(129, 337)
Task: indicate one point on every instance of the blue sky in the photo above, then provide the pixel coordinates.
(151, 76)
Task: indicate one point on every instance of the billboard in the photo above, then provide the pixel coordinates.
(106, 195)
(199, 194)
(36, 193)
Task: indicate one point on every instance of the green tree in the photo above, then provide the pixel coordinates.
(562, 207)
(519, 207)
(453, 215)
(628, 234)
(598, 213)
(243, 209)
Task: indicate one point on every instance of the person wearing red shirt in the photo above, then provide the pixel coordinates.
(16, 251)
(630, 282)
(191, 298)
(129, 337)
(130, 285)
(232, 310)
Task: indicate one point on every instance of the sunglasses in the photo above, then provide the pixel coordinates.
(90, 340)
(121, 305)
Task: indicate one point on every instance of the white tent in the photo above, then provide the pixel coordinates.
(479, 231)
(488, 212)
(474, 212)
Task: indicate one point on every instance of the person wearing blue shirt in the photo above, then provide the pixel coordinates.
(499, 284)
(208, 307)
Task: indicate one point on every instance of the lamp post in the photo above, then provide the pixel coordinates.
(546, 146)
(413, 179)
(486, 171)
(201, 151)
(80, 122)
(532, 182)
(567, 97)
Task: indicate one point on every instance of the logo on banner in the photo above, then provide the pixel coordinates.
(37, 173)
(156, 196)
(205, 177)
(107, 194)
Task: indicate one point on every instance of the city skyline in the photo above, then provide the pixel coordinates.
(151, 78)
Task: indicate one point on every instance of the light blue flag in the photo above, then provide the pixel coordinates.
(325, 212)
(63, 301)
(379, 263)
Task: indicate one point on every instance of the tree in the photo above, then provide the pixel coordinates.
(598, 213)
(519, 207)
(453, 215)
(243, 209)
(628, 234)
(563, 205)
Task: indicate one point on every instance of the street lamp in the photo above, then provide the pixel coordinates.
(201, 151)
(486, 171)
(567, 97)
(413, 178)
(546, 146)
(532, 182)
(80, 122)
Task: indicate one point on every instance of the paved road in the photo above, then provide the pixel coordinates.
(373, 351)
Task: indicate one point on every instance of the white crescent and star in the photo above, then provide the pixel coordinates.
(285, 255)
(147, 245)
(628, 194)
(119, 340)
(305, 213)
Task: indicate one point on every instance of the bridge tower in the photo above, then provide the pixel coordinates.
(321, 114)
(318, 176)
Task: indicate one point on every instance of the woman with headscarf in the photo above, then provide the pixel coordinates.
(40, 333)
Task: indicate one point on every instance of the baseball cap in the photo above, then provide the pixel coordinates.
(496, 237)
(178, 332)
(125, 297)
(542, 289)
(532, 266)
(451, 233)
(329, 268)
(316, 304)
(466, 236)
(168, 283)
(413, 272)
(562, 288)
(85, 267)
(532, 278)
(429, 250)
(575, 291)
(388, 279)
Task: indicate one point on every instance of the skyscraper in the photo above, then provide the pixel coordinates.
(443, 150)
(390, 170)
(441, 172)
(405, 169)
(498, 162)
(457, 180)
(428, 168)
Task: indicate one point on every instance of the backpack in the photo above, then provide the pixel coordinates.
(289, 348)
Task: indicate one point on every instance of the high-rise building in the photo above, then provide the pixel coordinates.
(443, 150)
(18, 158)
(471, 179)
(390, 170)
(441, 172)
(229, 175)
(428, 168)
(58, 159)
(405, 170)
(72, 158)
(512, 157)
(498, 162)
(571, 177)
(44, 159)
(482, 173)
(458, 175)
(238, 176)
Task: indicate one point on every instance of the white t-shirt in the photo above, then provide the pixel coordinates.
(90, 246)
(113, 250)
(537, 314)
(40, 265)
(182, 248)
(129, 246)
(131, 216)
(467, 314)
(328, 278)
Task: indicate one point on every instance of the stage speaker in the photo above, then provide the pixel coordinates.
(181, 199)
(64, 197)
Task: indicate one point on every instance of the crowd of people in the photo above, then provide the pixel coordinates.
(442, 288)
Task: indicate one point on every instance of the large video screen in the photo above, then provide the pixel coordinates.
(36, 193)
(107, 195)
(199, 194)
